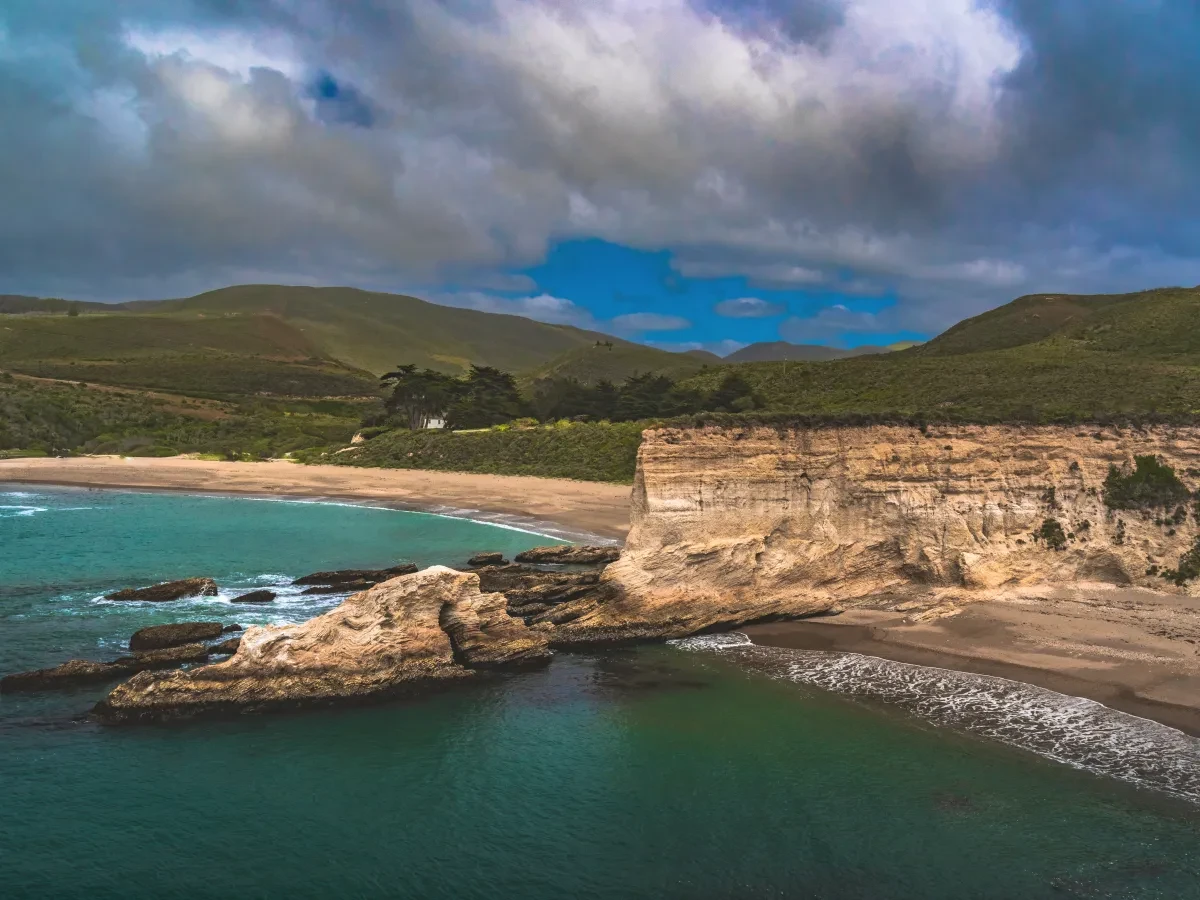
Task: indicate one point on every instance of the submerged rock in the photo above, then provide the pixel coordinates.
(157, 637)
(227, 647)
(347, 576)
(255, 597)
(433, 626)
(568, 553)
(486, 559)
(82, 671)
(169, 590)
(346, 587)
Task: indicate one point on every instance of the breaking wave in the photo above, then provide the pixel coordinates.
(1071, 730)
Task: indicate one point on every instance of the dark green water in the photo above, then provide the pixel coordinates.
(693, 771)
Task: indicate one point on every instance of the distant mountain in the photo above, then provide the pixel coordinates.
(774, 351)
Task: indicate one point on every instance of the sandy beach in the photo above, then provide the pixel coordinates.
(1133, 650)
(558, 506)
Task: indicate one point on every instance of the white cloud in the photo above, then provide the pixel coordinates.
(648, 321)
(748, 308)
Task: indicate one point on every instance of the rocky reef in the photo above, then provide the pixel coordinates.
(432, 626)
(169, 590)
(733, 525)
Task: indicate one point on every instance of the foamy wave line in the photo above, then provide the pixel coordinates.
(1075, 731)
(12, 511)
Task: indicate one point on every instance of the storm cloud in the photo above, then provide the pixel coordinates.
(950, 154)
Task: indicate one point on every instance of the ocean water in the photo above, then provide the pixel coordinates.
(707, 768)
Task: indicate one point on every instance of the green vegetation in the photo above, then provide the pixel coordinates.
(613, 362)
(1151, 485)
(39, 418)
(589, 452)
(1051, 532)
(1189, 567)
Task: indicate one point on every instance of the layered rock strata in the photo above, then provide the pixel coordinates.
(432, 626)
(743, 524)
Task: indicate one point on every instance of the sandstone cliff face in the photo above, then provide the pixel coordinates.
(734, 525)
(433, 625)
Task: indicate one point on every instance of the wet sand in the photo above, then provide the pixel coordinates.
(567, 508)
(1133, 650)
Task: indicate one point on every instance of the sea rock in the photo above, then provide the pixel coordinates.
(226, 647)
(169, 590)
(231, 629)
(431, 627)
(263, 596)
(345, 587)
(81, 671)
(527, 587)
(486, 559)
(156, 637)
(568, 553)
(346, 576)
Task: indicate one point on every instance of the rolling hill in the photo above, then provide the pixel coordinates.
(373, 331)
(272, 340)
(773, 351)
(1039, 358)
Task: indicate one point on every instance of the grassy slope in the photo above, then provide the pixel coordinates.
(1044, 357)
(596, 452)
(241, 355)
(590, 364)
(374, 332)
(47, 416)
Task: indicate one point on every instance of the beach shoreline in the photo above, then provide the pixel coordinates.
(570, 510)
(1117, 654)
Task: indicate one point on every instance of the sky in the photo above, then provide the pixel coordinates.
(687, 173)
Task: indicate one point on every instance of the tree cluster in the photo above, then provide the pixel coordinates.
(486, 396)
(648, 396)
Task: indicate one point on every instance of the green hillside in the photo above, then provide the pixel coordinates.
(1041, 358)
(615, 361)
(1146, 318)
(374, 332)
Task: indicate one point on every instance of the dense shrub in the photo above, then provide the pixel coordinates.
(1150, 485)
(1052, 533)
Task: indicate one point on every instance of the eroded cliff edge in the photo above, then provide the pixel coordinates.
(732, 525)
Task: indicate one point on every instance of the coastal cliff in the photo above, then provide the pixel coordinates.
(415, 629)
(732, 525)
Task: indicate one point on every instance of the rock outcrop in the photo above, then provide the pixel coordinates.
(227, 647)
(732, 525)
(263, 596)
(156, 637)
(77, 672)
(569, 554)
(356, 576)
(169, 590)
(433, 626)
(486, 559)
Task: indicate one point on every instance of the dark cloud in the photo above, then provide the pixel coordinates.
(951, 154)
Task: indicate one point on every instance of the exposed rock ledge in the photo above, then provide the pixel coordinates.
(737, 525)
(434, 625)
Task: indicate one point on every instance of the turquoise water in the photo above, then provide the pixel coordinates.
(703, 769)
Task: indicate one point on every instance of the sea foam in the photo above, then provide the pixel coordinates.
(1071, 730)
